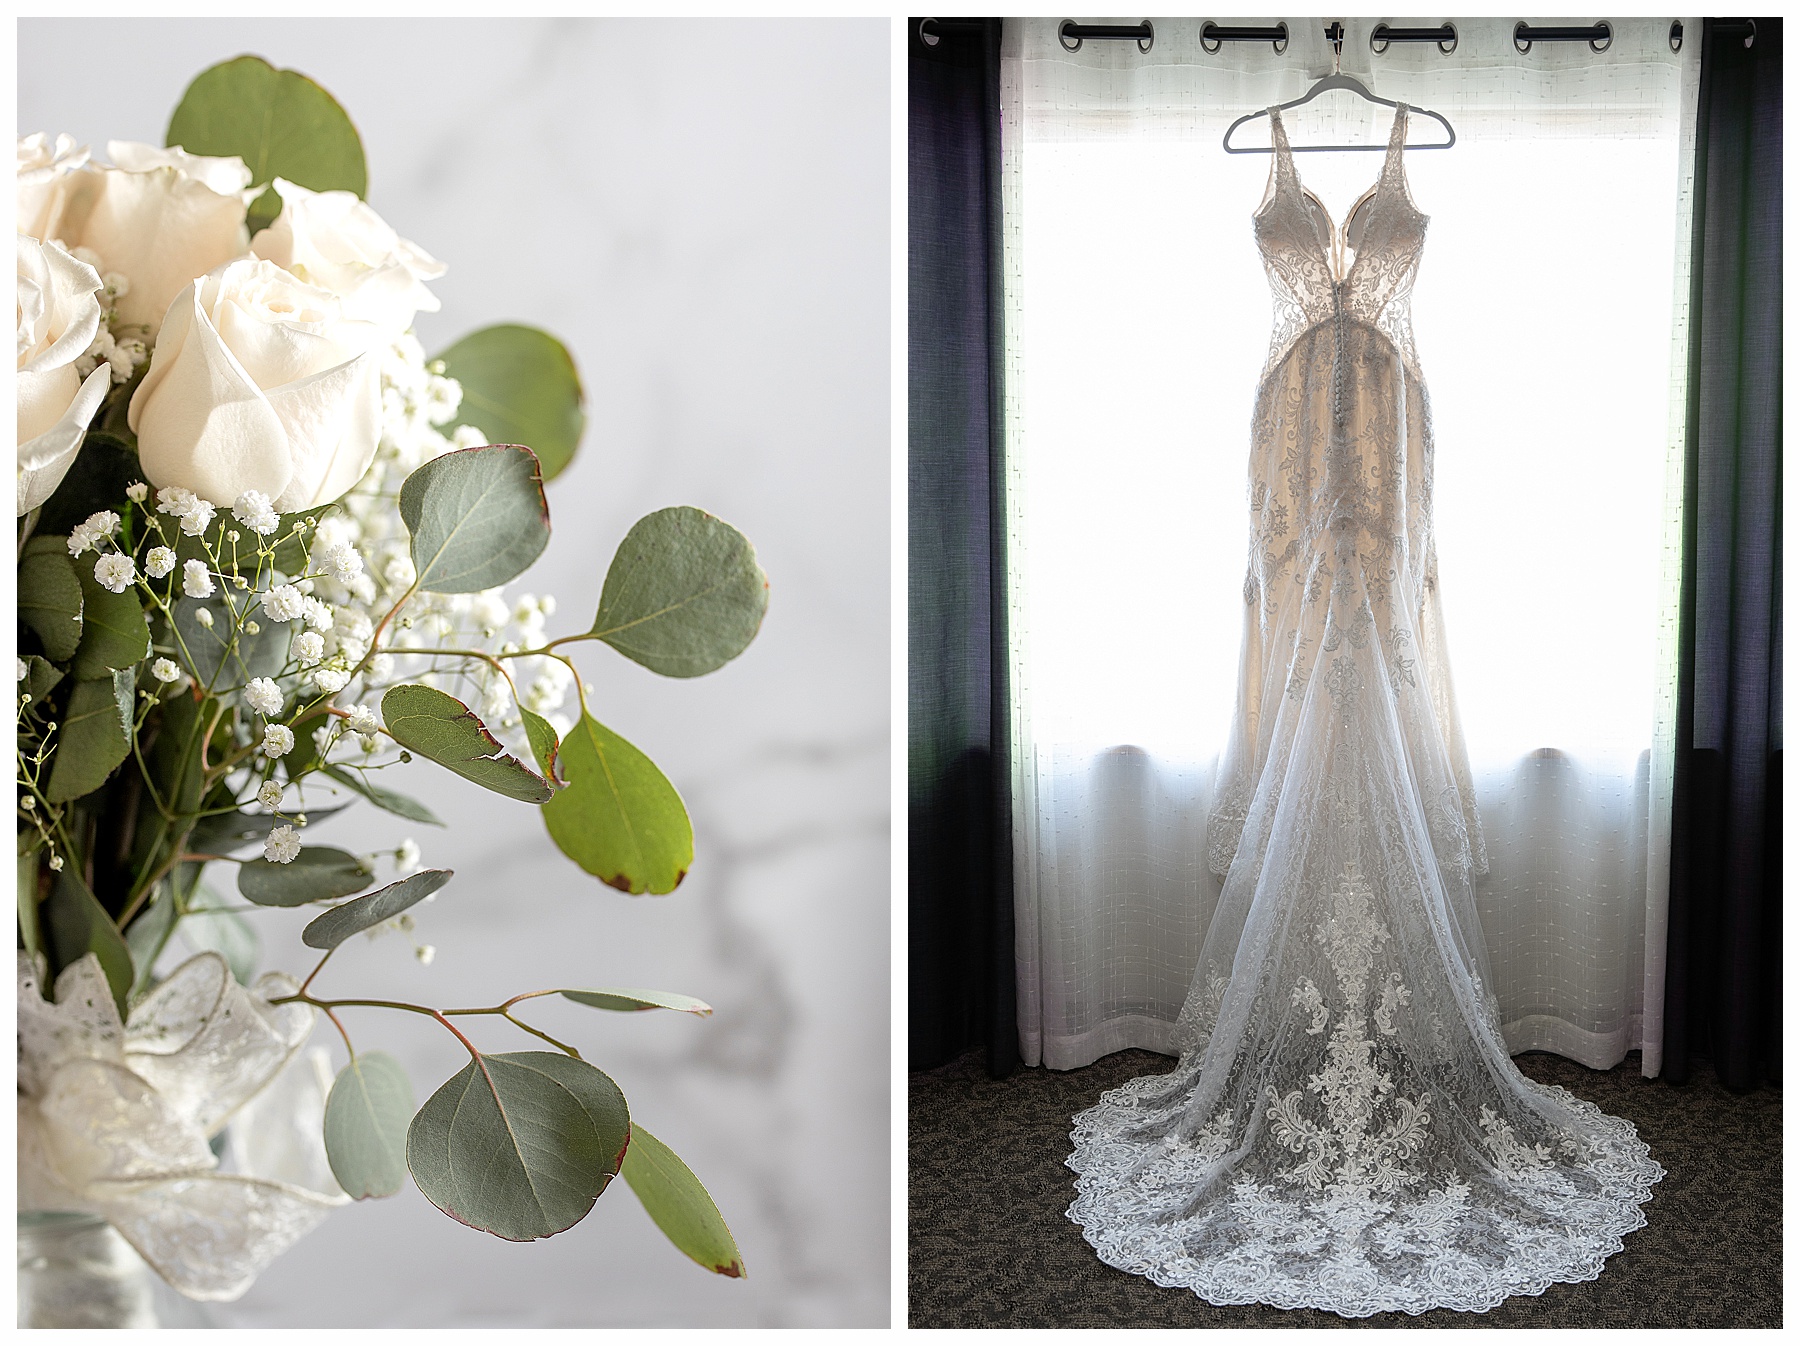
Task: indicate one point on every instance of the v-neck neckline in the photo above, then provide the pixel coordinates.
(1333, 253)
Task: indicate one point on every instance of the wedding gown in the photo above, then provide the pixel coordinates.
(1345, 1129)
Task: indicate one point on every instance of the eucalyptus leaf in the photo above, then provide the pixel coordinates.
(219, 659)
(681, 1207)
(207, 928)
(618, 817)
(317, 874)
(29, 846)
(382, 797)
(436, 725)
(278, 122)
(684, 594)
(541, 734)
(114, 631)
(96, 480)
(519, 1144)
(74, 924)
(94, 737)
(519, 386)
(631, 999)
(50, 595)
(366, 1117)
(148, 933)
(477, 517)
(41, 676)
(371, 909)
(223, 833)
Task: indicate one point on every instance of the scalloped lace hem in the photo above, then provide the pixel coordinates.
(1345, 1279)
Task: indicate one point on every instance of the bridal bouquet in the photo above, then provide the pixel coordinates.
(264, 544)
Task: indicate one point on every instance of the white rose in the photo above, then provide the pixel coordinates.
(259, 384)
(45, 167)
(161, 217)
(335, 241)
(59, 313)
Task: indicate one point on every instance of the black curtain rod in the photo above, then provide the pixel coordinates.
(1212, 36)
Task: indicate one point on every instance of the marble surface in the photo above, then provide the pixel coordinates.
(700, 209)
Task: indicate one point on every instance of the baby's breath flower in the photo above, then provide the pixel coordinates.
(282, 846)
(406, 857)
(204, 617)
(137, 492)
(88, 534)
(115, 571)
(309, 648)
(278, 740)
(330, 680)
(158, 562)
(196, 580)
(362, 720)
(318, 615)
(283, 603)
(263, 696)
(342, 560)
(255, 511)
(425, 953)
(166, 670)
(269, 795)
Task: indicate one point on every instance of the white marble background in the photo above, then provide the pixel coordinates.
(700, 209)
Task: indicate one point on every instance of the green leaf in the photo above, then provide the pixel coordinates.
(42, 675)
(619, 818)
(96, 480)
(149, 933)
(93, 738)
(75, 924)
(630, 998)
(678, 1203)
(114, 631)
(223, 833)
(278, 122)
(520, 1144)
(541, 734)
(477, 518)
(371, 909)
(436, 725)
(683, 595)
(519, 386)
(210, 929)
(366, 1116)
(317, 874)
(219, 660)
(29, 846)
(381, 797)
(50, 595)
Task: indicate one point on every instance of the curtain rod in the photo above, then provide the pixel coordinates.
(1213, 36)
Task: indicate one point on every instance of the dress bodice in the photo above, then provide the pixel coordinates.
(1308, 257)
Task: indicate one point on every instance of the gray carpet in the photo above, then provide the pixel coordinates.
(989, 1245)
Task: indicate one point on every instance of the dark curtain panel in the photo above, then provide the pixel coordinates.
(959, 843)
(1724, 968)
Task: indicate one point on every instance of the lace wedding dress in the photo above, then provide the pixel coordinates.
(1345, 1129)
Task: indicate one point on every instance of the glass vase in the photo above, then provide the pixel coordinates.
(76, 1271)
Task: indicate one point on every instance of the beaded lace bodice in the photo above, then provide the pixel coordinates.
(1345, 1129)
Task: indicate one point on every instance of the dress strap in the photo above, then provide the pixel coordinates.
(1396, 142)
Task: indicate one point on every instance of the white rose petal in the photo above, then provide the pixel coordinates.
(58, 318)
(259, 383)
(282, 846)
(196, 582)
(49, 173)
(336, 241)
(263, 696)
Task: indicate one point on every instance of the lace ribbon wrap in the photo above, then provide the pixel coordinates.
(1345, 1129)
(115, 1119)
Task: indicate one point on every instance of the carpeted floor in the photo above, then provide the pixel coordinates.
(989, 1245)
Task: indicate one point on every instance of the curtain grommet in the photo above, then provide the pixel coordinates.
(1062, 35)
(928, 39)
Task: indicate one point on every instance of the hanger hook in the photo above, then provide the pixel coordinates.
(1334, 34)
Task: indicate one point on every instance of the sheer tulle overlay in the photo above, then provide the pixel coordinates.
(1345, 1129)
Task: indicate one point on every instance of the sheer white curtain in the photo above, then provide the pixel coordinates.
(1549, 317)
